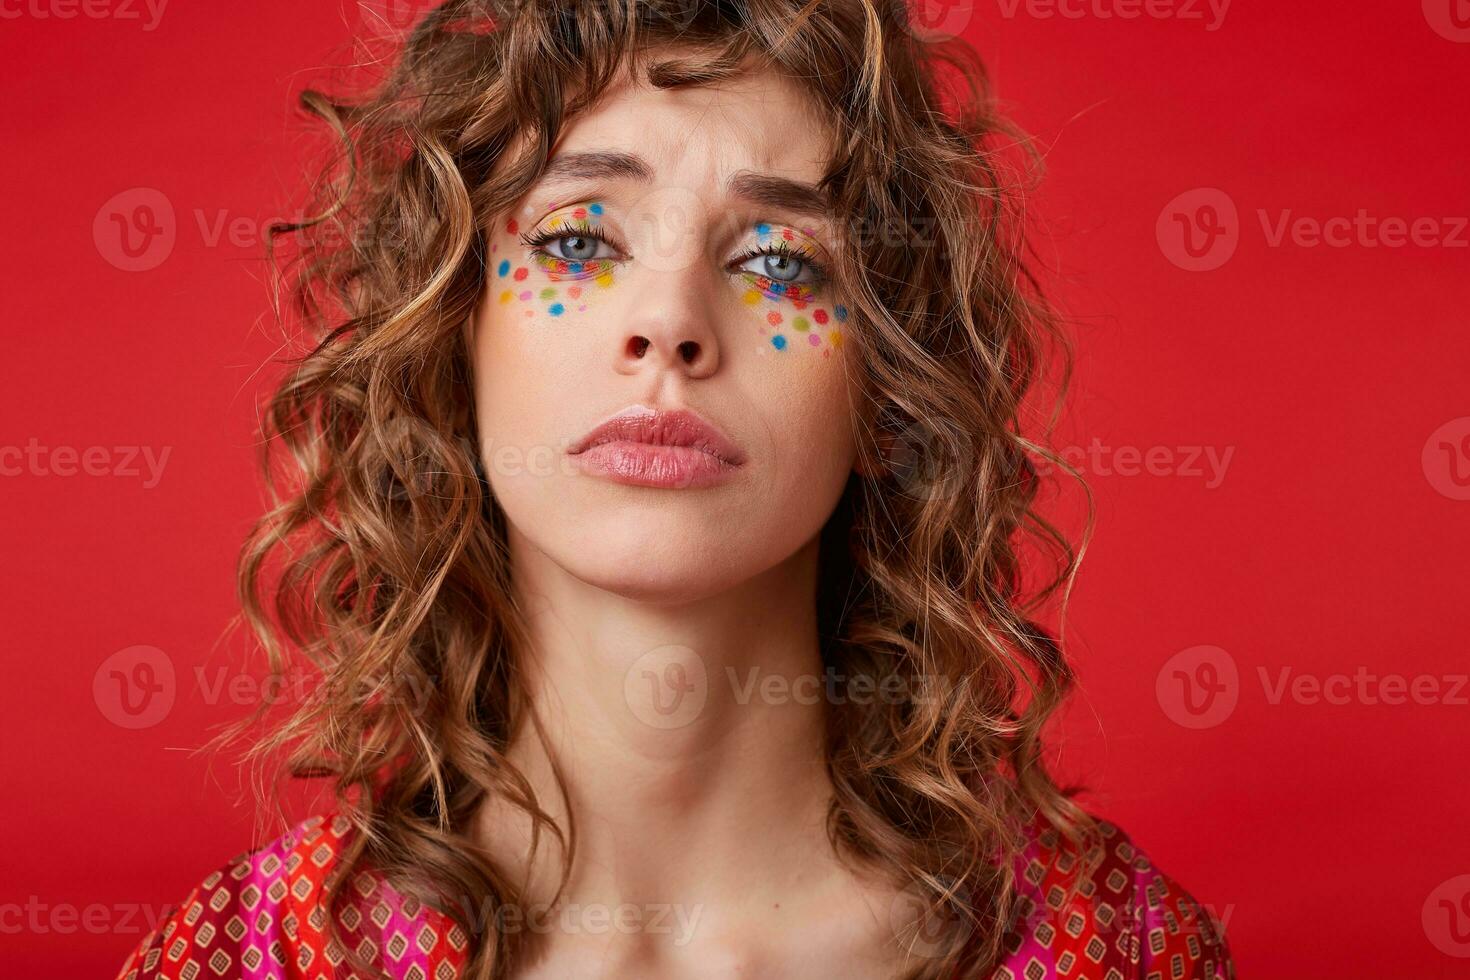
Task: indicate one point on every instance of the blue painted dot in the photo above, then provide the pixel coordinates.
(779, 288)
(556, 309)
(595, 208)
(779, 342)
(504, 267)
(762, 229)
(841, 311)
(574, 267)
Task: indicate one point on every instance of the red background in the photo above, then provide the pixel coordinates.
(1318, 830)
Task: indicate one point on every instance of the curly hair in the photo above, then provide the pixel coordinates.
(398, 604)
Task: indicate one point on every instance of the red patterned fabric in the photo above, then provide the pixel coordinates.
(1104, 913)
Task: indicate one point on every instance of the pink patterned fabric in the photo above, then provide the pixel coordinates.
(1105, 913)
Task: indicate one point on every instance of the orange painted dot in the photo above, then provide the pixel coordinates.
(773, 318)
(788, 234)
(574, 291)
(580, 213)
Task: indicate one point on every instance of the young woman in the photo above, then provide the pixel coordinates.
(656, 540)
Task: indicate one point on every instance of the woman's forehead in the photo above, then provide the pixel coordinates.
(758, 120)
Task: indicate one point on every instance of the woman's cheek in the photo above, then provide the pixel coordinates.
(550, 290)
(794, 320)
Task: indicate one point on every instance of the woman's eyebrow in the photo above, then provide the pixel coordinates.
(763, 189)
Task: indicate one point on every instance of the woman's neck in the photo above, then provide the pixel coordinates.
(692, 754)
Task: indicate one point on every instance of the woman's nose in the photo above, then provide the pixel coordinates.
(672, 328)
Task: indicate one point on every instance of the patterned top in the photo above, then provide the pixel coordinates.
(1102, 914)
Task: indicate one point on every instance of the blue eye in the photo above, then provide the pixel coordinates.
(575, 248)
(781, 266)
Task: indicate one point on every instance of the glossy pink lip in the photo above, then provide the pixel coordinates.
(646, 447)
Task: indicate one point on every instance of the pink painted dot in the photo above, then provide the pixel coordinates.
(814, 339)
(773, 318)
(521, 273)
(581, 309)
(525, 296)
(820, 316)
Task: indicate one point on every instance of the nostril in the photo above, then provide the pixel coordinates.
(637, 346)
(689, 350)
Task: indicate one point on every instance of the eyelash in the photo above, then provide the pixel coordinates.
(538, 240)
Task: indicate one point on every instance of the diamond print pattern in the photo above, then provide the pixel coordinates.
(1102, 912)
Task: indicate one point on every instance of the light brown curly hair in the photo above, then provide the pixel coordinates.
(381, 565)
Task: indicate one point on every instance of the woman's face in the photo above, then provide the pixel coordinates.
(673, 258)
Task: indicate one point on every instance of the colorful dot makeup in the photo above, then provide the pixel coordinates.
(554, 285)
(792, 315)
